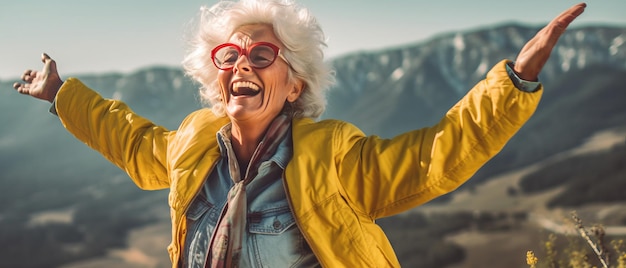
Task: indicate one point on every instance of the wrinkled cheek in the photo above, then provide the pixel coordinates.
(222, 83)
(224, 94)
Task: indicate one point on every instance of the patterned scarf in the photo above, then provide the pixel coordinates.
(225, 246)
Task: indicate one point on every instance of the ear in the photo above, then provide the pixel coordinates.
(296, 91)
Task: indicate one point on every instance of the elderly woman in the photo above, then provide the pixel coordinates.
(255, 181)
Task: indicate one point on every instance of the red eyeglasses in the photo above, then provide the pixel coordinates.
(260, 55)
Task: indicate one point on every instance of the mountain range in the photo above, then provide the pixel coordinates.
(386, 92)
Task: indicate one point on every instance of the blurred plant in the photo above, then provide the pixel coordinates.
(598, 246)
(576, 255)
(551, 252)
(618, 246)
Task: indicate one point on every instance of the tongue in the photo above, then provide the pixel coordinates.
(245, 91)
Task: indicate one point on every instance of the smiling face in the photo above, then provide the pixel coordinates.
(255, 95)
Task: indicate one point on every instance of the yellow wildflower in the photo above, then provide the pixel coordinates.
(531, 259)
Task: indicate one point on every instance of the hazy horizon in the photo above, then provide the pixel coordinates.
(122, 36)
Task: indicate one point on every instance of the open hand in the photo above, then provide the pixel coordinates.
(536, 52)
(43, 84)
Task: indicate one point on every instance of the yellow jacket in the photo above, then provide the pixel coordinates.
(338, 182)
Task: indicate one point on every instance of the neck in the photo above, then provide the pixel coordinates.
(245, 139)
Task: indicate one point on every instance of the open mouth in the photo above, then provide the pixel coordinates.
(244, 89)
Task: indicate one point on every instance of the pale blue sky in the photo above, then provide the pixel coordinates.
(87, 36)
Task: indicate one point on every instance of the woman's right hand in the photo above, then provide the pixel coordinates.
(43, 84)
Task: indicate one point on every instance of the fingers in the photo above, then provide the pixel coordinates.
(557, 26)
(17, 86)
(21, 88)
(28, 76)
(563, 20)
(536, 52)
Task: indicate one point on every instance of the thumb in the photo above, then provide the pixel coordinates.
(49, 64)
(51, 82)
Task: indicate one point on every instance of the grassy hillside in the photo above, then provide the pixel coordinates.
(599, 177)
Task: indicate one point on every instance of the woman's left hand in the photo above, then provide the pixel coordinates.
(536, 52)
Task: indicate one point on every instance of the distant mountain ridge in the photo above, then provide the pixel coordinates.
(430, 77)
(383, 92)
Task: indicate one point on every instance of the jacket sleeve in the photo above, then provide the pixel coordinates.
(382, 177)
(129, 141)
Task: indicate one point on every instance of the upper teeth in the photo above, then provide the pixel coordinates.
(247, 84)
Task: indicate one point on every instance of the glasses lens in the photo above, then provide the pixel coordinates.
(226, 57)
(262, 56)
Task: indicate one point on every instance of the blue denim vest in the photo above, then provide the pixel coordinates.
(272, 238)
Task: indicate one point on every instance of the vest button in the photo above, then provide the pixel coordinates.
(277, 224)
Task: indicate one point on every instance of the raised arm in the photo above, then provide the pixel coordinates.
(414, 167)
(131, 142)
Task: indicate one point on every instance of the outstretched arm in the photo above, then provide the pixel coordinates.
(414, 167)
(536, 52)
(42, 84)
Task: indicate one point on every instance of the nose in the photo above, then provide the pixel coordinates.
(242, 64)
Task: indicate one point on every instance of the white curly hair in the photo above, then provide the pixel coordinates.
(295, 27)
